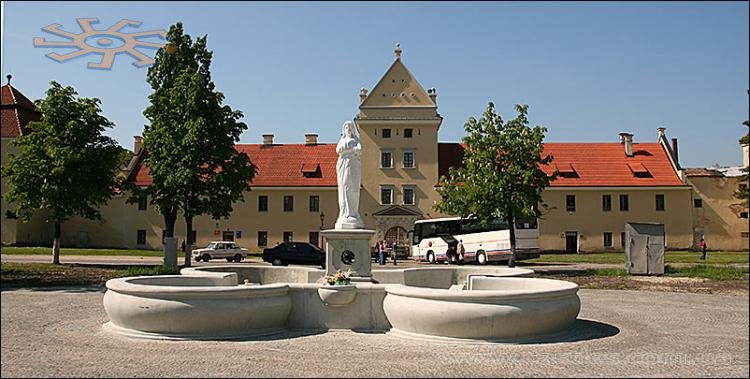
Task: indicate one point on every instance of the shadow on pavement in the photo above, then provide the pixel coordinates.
(66, 289)
(582, 330)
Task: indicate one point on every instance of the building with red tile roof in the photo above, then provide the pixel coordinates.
(16, 111)
(293, 196)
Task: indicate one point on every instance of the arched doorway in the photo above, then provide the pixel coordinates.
(396, 235)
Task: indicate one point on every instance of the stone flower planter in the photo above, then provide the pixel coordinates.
(337, 296)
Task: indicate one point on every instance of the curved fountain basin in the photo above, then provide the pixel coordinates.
(430, 276)
(494, 309)
(210, 305)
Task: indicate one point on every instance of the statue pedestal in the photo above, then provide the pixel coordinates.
(349, 249)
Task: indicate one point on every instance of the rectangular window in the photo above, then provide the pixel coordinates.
(386, 133)
(262, 203)
(143, 203)
(314, 203)
(622, 239)
(744, 234)
(607, 239)
(570, 203)
(624, 206)
(288, 203)
(743, 214)
(288, 237)
(314, 237)
(140, 238)
(386, 159)
(606, 203)
(698, 203)
(386, 195)
(262, 239)
(659, 202)
(409, 195)
(408, 159)
(408, 132)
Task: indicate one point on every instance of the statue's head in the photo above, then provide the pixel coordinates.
(348, 130)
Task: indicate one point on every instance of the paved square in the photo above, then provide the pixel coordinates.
(618, 333)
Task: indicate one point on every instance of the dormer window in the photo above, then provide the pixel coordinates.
(566, 170)
(311, 170)
(639, 170)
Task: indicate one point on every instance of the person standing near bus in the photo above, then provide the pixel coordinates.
(461, 252)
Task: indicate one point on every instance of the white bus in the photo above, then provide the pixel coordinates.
(432, 238)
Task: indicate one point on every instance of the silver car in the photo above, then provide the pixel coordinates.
(221, 249)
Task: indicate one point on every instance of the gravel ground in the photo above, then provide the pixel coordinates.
(57, 333)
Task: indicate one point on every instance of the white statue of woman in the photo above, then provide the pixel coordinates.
(349, 177)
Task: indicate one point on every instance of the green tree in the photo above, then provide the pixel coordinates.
(501, 174)
(65, 166)
(190, 139)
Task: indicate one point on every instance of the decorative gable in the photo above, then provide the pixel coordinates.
(398, 88)
(398, 95)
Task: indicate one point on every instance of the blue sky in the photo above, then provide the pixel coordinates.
(587, 70)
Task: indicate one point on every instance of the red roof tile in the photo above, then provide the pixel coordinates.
(282, 165)
(16, 112)
(595, 164)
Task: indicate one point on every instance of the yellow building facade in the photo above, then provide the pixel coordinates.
(294, 194)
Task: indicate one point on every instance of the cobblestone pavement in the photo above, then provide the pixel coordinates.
(54, 333)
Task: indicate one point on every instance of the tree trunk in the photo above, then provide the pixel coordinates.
(512, 259)
(189, 239)
(170, 218)
(56, 245)
(170, 256)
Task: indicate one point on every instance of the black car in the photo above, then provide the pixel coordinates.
(302, 253)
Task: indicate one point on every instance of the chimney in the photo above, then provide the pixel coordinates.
(267, 139)
(674, 150)
(627, 140)
(311, 139)
(138, 144)
(432, 93)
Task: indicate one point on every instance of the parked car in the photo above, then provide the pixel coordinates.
(221, 249)
(295, 253)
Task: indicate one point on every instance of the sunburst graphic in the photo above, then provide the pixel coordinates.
(102, 40)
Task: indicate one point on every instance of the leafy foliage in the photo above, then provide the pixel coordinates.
(190, 139)
(501, 175)
(65, 165)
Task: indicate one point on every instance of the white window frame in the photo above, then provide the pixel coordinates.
(413, 195)
(380, 197)
(380, 163)
(413, 158)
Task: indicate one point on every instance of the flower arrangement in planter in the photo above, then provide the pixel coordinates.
(337, 279)
(337, 289)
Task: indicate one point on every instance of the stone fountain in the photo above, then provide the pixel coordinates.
(249, 300)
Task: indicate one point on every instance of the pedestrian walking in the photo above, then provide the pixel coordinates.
(461, 252)
(704, 247)
(393, 252)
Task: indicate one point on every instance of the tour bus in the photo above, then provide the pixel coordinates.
(432, 238)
